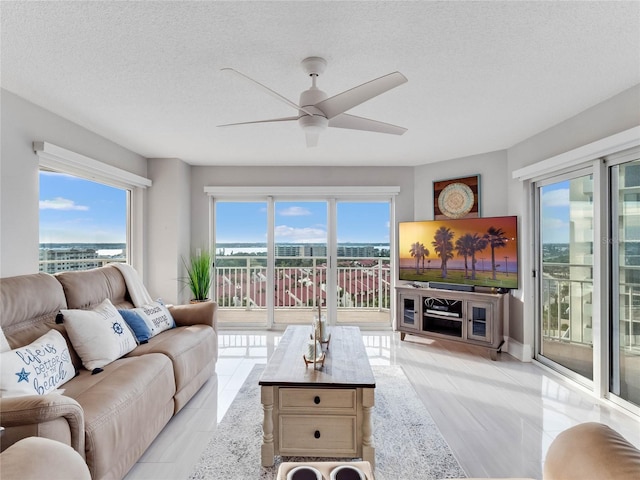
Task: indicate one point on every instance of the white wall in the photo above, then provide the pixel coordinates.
(22, 124)
(614, 115)
(492, 168)
(169, 219)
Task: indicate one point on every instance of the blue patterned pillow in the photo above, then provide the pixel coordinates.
(135, 321)
(149, 320)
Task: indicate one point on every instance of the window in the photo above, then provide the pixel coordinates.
(280, 251)
(83, 224)
(90, 212)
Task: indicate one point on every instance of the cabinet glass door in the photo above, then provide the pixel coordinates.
(408, 312)
(479, 315)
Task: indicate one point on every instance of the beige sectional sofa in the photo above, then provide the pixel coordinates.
(109, 418)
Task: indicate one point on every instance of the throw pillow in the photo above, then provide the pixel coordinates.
(100, 336)
(38, 368)
(149, 320)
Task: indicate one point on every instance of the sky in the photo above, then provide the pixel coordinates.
(302, 222)
(556, 210)
(74, 210)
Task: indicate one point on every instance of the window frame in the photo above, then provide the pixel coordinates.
(58, 159)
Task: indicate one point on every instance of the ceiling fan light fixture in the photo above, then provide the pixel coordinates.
(315, 124)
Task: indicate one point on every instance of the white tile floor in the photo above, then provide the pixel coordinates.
(498, 417)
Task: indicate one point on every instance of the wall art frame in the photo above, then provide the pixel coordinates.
(456, 198)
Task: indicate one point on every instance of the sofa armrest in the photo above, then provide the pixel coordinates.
(591, 450)
(202, 313)
(30, 410)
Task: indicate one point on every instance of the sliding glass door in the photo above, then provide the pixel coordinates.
(240, 271)
(625, 281)
(300, 276)
(363, 262)
(565, 280)
(279, 258)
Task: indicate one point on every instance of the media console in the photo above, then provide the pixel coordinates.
(471, 317)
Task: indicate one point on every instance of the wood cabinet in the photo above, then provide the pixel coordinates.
(475, 318)
(317, 422)
(322, 412)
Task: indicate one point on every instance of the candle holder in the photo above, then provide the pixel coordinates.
(317, 338)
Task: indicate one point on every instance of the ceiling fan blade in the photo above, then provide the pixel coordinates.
(360, 123)
(269, 91)
(271, 120)
(312, 138)
(344, 101)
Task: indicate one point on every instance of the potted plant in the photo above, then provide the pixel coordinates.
(199, 275)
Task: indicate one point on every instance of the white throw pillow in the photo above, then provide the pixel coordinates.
(148, 320)
(100, 336)
(38, 368)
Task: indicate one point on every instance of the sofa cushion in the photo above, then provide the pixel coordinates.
(191, 349)
(28, 306)
(148, 321)
(54, 460)
(100, 335)
(125, 407)
(36, 369)
(88, 288)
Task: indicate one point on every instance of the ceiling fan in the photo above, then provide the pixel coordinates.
(316, 112)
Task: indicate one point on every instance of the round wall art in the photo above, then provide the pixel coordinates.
(456, 200)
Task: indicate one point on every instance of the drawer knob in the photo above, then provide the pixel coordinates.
(316, 400)
(317, 434)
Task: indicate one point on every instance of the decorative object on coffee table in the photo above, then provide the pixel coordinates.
(456, 198)
(325, 336)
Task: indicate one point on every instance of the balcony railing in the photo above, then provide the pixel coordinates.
(363, 282)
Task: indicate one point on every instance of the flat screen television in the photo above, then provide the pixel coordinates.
(468, 251)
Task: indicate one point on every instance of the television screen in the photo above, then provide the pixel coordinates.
(472, 251)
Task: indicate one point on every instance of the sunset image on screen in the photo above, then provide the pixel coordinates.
(473, 251)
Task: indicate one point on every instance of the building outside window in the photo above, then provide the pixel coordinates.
(83, 223)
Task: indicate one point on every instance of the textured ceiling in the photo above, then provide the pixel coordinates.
(482, 75)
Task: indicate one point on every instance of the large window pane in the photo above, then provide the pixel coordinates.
(625, 351)
(566, 282)
(300, 260)
(241, 261)
(364, 273)
(83, 224)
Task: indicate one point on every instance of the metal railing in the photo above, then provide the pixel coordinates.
(566, 310)
(241, 282)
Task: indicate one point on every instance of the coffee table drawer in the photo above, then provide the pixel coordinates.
(326, 435)
(318, 400)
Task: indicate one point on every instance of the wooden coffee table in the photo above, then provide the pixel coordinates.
(318, 412)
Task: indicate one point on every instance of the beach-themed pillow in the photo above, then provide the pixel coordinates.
(38, 368)
(100, 336)
(149, 320)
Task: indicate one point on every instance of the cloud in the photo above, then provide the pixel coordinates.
(556, 198)
(294, 212)
(284, 233)
(60, 203)
(553, 223)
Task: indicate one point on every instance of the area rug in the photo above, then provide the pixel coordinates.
(408, 443)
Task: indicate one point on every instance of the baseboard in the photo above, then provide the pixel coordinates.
(518, 350)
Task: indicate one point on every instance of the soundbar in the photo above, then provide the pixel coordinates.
(452, 286)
